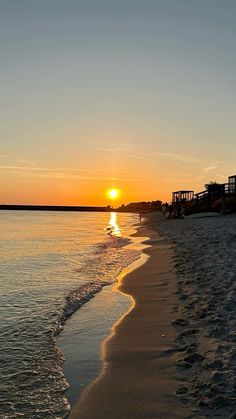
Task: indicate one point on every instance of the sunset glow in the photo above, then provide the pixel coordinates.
(125, 99)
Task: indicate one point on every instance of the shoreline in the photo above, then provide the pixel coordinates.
(81, 346)
(139, 377)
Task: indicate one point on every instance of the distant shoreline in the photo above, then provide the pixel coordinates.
(54, 208)
(74, 208)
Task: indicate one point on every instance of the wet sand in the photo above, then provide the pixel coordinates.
(139, 377)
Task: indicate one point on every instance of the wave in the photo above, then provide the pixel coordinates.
(105, 264)
(113, 242)
(75, 299)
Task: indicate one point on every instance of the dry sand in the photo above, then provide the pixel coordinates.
(139, 378)
(174, 354)
(205, 263)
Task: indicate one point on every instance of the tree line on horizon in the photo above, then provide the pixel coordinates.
(142, 206)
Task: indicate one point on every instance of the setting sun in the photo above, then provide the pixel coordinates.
(113, 193)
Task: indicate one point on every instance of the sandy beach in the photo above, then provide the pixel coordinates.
(139, 377)
(205, 265)
(173, 354)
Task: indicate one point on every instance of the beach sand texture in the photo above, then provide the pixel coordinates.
(173, 355)
(205, 264)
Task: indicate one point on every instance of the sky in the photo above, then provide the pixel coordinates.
(138, 95)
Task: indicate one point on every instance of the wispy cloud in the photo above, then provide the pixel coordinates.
(123, 153)
(70, 174)
(40, 169)
(178, 157)
(84, 177)
(211, 167)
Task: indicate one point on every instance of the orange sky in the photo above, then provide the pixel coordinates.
(36, 190)
(142, 180)
(135, 95)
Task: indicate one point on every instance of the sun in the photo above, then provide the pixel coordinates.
(113, 194)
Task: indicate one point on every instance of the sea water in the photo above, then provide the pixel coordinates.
(51, 264)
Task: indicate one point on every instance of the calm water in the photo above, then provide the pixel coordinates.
(51, 264)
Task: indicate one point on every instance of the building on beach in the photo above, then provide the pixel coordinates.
(217, 196)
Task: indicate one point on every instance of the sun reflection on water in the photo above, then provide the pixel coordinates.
(113, 227)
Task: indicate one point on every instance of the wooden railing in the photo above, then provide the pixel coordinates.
(204, 200)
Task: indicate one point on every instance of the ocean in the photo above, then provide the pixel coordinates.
(51, 264)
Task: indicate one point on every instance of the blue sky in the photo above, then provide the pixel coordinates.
(138, 95)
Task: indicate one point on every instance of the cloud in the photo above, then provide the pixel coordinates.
(178, 157)
(40, 169)
(68, 173)
(97, 177)
(5, 167)
(211, 167)
(123, 153)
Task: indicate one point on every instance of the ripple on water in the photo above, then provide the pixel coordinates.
(43, 283)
